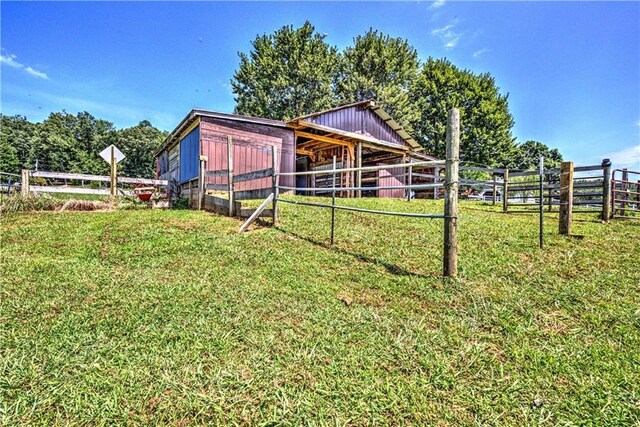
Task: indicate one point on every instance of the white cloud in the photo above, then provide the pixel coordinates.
(36, 73)
(479, 53)
(448, 34)
(10, 60)
(436, 4)
(625, 158)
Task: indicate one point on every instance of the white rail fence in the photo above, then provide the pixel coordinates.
(28, 185)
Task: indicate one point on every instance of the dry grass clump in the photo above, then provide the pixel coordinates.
(20, 203)
(44, 202)
(87, 205)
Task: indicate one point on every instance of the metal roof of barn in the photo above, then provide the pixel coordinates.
(375, 108)
(196, 112)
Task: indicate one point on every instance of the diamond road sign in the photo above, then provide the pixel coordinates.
(117, 154)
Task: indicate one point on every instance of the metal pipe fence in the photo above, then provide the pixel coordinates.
(450, 184)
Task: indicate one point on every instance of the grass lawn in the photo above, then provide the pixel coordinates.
(171, 317)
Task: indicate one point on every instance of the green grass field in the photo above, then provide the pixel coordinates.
(171, 317)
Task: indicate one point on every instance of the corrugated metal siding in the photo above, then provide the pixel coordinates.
(189, 152)
(386, 178)
(251, 150)
(358, 119)
(324, 182)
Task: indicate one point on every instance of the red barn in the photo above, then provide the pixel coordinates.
(357, 134)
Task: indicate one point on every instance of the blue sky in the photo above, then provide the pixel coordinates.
(572, 69)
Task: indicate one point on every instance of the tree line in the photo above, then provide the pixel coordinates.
(294, 71)
(65, 142)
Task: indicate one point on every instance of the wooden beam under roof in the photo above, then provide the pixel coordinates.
(368, 140)
(322, 138)
(309, 153)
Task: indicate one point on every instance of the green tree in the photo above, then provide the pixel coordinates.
(9, 161)
(382, 68)
(16, 132)
(138, 144)
(65, 142)
(287, 74)
(92, 136)
(53, 146)
(528, 156)
(486, 123)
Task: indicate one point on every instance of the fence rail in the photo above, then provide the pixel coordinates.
(27, 186)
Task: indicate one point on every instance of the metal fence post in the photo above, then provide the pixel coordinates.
(495, 190)
(114, 190)
(625, 190)
(201, 182)
(410, 182)
(549, 193)
(505, 191)
(606, 189)
(274, 183)
(436, 178)
(451, 195)
(359, 165)
(333, 201)
(566, 197)
(541, 202)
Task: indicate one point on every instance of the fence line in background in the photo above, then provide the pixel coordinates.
(27, 187)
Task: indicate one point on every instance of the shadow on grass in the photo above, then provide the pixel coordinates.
(391, 268)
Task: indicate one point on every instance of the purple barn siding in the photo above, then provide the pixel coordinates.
(251, 150)
(358, 119)
(386, 178)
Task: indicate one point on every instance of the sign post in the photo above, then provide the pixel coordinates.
(113, 156)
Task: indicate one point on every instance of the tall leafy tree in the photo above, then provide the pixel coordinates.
(138, 144)
(9, 161)
(65, 142)
(382, 68)
(15, 132)
(53, 146)
(92, 135)
(286, 74)
(486, 123)
(529, 152)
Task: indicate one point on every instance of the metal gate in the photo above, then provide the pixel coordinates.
(625, 194)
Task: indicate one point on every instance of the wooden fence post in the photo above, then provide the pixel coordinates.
(451, 195)
(606, 189)
(505, 191)
(436, 174)
(24, 185)
(230, 173)
(566, 197)
(274, 184)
